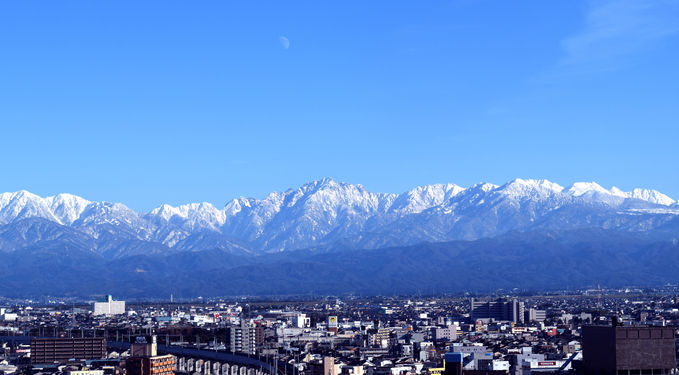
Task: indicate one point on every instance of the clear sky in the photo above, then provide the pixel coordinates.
(147, 102)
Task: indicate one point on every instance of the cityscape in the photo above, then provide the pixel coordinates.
(305, 187)
(631, 331)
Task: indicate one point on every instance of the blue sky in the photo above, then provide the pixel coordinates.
(176, 102)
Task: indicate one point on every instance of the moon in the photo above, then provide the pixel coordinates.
(285, 42)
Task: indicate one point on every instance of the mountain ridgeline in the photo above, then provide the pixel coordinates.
(332, 237)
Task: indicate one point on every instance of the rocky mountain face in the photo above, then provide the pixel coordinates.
(327, 214)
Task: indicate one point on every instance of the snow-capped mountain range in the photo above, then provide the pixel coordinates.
(327, 213)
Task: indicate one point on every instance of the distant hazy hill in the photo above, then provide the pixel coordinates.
(331, 237)
(533, 261)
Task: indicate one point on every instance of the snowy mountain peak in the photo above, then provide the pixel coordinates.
(330, 193)
(520, 187)
(327, 211)
(484, 187)
(652, 196)
(329, 186)
(165, 212)
(423, 197)
(23, 204)
(70, 199)
(23, 196)
(191, 216)
(322, 184)
(617, 192)
(67, 207)
(235, 206)
(328, 181)
(581, 188)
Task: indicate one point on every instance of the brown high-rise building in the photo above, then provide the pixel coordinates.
(51, 350)
(259, 335)
(617, 350)
(145, 361)
(153, 365)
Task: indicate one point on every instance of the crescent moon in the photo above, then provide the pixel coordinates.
(285, 42)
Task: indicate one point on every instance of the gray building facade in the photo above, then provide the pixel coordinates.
(500, 309)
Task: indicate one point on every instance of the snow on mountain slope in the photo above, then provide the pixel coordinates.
(323, 212)
(300, 218)
(192, 216)
(473, 196)
(522, 201)
(595, 192)
(580, 188)
(423, 197)
(530, 189)
(66, 207)
(652, 196)
(108, 213)
(22, 205)
(237, 205)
